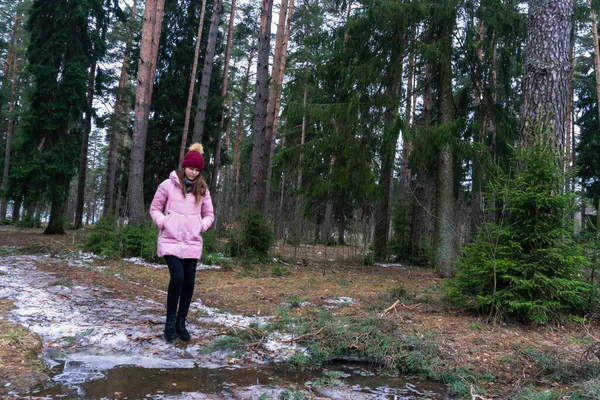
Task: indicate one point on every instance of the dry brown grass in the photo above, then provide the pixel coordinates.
(19, 349)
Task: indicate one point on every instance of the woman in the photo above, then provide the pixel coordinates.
(183, 210)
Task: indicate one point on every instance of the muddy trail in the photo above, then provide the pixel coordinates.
(98, 342)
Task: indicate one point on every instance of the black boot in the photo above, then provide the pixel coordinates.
(170, 331)
(181, 329)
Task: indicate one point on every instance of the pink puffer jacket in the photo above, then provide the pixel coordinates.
(181, 222)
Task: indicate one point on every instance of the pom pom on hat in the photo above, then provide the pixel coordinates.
(193, 158)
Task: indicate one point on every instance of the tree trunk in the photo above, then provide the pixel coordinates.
(279, 60)
(118, 128)
(87, 128)
(388, 148)
(224, 91)
(569, 112)
(146, 68)
(11, 66)
(444, 231)
(596, 56)
(479, 137)
(424, 192)
(57, 209)
(228, 184)
(298, 202)
(237, 151)
(16, 211)
(388, 152)
(405, 172)
(546, 69)
(326, 226)
(260, 149)
(211, 46)
(188, 107)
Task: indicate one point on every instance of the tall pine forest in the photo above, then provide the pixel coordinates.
(462, 135)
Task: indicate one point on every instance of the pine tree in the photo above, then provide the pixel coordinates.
(59, 55)
(151, 32)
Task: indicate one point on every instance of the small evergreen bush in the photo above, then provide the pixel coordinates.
(526, 263)
(209, 242)
(251, 237)
(28, 221)
(104, 239)
(109, 239)
(140, 241)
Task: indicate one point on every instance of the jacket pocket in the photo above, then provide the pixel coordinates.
(169, 229)
(196, 228)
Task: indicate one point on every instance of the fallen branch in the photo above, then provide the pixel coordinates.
(587, 329)
(476, 396)
(302, 336)
(394, 307)
(390, 308)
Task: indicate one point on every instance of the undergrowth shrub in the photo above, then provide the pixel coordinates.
(28, 221)
(210, 243)
(525, 263)
(108, 238)
(251, 236)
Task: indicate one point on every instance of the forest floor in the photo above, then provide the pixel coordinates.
(511, 356)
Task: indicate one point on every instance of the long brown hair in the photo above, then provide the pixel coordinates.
(198, 188)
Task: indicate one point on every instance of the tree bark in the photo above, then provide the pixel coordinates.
(146, 68)
(277, 74)
(388, 152)
(11, 66)
(546, 69)
(405, 172)
(211, 46)
(298, 202)
(443, 245)
(424, 190)
(596, 55)
(260, 149)
(83, 155)
(58, 206)
(388, 147)
(224, 89)
(569, 112)
(188, 107)
(118, 128)
(479, 137)
(237, 151)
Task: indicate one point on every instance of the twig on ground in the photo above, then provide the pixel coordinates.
(390, 308)
(411, 308)
(476, 396)
(587, 329)
(303, 336)
(394, 307)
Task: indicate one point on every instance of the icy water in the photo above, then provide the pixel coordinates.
(334, 381)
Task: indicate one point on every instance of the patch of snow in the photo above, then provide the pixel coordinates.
(396, 265)
(144, 263)
(339, 302)
(212, 316)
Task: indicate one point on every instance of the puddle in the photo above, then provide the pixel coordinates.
(350, 382)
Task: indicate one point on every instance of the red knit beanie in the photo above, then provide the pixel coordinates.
(193, 157)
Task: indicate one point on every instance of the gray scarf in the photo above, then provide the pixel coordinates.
(188, 184)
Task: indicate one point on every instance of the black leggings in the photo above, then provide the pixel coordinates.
(181, 285)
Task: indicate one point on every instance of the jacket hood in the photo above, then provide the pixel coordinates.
(174, 178)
